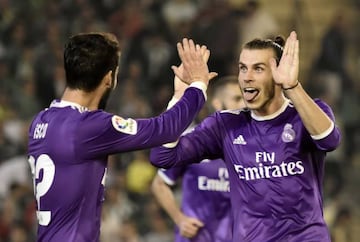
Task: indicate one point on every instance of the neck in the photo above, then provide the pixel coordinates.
(89, 100)
(272, 107)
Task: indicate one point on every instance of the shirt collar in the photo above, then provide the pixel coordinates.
(273, 115)
(62, 104)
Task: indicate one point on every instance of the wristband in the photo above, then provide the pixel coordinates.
(200, 85)
(172, 102)
(289, 88)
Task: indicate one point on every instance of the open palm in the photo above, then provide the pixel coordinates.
(287, 72)
(182, 77)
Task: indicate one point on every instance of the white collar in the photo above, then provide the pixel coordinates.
(273, 115)
(63, 104)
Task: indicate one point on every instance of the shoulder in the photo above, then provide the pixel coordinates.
(322, 104)
(318, 102)
(325, 107)
(225, 119)
(101, 120)
(170, 176)
(233, 114)
(96, 115)
(94, 120)
(235, 111)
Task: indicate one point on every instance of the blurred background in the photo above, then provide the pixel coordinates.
(32, 36)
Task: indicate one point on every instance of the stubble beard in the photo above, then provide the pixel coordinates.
(104, 99)
(266, 98)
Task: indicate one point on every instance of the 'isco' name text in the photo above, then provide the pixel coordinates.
(40, 130)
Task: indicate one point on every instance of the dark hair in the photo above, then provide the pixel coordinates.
(87, 59)
(277, 45)
(218, 84)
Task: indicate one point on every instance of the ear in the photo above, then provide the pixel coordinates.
(107, 79)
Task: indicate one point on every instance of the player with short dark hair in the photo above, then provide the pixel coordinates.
(274, 150)
(69, 142)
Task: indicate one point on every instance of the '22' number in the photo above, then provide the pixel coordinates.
(45, 164)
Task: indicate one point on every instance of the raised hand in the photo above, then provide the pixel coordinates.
(194, 63)
(180, 74)
(287, 72)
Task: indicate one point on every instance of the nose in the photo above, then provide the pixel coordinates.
(245, 76)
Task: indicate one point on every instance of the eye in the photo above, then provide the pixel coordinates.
(259, 69)
(243, 69)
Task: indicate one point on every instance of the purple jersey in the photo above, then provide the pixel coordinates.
(205, 195)
(68, 151)
(276, 170)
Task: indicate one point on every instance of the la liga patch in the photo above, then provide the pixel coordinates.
(127, 126)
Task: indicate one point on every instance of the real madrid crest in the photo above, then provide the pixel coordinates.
(288, 134)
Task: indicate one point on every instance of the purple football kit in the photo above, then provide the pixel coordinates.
(275, 167)
(205, 196)
(68, 150)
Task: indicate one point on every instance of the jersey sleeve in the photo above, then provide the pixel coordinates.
(170, 176)
(204, 142)
(330, 139)
(102, 133)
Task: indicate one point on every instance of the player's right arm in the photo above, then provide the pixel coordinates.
(188, 226)
(182, 76)
(204, 142)
(104, 134)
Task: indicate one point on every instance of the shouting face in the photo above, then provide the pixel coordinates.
(259, 90)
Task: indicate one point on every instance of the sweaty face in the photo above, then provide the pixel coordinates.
(231, 97)
(255, 79)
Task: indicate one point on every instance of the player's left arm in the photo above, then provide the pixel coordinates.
(317, 117)
(319, 121)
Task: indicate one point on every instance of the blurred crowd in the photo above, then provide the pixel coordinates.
(32, 35)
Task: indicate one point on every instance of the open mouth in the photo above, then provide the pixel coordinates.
(250, 93)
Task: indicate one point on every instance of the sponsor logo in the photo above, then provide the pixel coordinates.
(266, 167)
(218, 185)
(261, 171)
(127, 126)
(239, 140)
